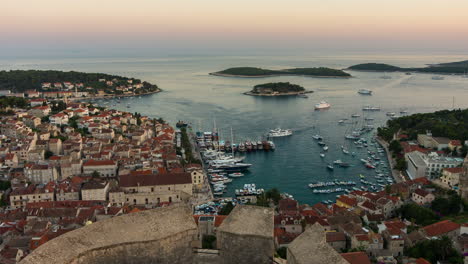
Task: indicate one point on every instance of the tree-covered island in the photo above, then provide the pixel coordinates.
(60, 84)
(460, 67)
(259, 72)
(277, 89)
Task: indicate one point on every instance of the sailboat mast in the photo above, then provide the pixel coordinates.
(232, 143)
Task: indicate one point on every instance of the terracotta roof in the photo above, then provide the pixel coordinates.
(347, 200)
(422, 261)
(362, 237)
(335, 237)
(98, 163)
(356, 257)
(421, 192)
(369, 205)
(455, 143)
(454, 170)
(395, 224)
(155, 179)
(441, 228)
(288, 205)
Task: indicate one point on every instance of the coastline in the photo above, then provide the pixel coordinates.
(112, 96)
(274, 95)
(397, 176)
(274, 75)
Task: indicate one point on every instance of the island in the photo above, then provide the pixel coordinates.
(252, 72)
(460, 67)
(71, 84)
(277, 89)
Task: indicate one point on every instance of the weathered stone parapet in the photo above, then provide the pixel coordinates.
(163, 235)
(246, 236)
(311, 247)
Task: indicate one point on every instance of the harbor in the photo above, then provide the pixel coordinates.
(296, 160)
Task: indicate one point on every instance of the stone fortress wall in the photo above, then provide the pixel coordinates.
(170, 235)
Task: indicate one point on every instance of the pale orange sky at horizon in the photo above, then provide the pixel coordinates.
(255, 20)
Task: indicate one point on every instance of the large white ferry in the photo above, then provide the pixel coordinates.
(322, 105)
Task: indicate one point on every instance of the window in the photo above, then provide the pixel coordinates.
(152, 189)
(170, 199)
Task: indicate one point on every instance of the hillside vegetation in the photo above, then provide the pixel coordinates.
(259, 72)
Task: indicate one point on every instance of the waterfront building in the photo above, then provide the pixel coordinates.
(429, 165)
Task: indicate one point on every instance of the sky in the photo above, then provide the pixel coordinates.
(234, 24)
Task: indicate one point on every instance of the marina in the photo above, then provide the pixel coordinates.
(296, 161)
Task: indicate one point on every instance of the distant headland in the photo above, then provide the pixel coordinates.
(252, 72)
(277, 89)
(460, 67)
(72, 84)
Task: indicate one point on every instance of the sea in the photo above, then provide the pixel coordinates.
(192, 95)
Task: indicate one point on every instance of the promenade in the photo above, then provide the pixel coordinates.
(397, 176)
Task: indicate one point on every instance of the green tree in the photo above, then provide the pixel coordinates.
(282, 252)
(95, 174)
(5, 185)
(48, 154)
(274, 195)
(435, 250)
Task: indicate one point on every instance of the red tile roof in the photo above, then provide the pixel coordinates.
(98, 163)
(421, 192)
(441, 228)
(335, 237)
(362, 237)
(422, 261)
(454, 170)
(347, 200)
(155, 179)
(356, 257)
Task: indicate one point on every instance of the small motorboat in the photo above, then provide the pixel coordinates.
(325, 148)
(236, 174)
(322, 155)
(330, 167)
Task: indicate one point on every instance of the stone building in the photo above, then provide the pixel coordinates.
(105, 168)
(94, 191)
(152, 188)
(247, 226)
(169, 235)
(311, 248)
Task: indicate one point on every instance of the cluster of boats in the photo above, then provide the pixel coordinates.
(211, 141)
(331, 183)
(249, 189)
(371, 108)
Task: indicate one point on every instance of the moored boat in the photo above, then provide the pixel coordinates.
(322, 105)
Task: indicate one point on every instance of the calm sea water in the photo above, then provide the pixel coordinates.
(192, 95)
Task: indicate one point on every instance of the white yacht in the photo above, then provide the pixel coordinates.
(322, 105)
(365, 92)
(280, 132)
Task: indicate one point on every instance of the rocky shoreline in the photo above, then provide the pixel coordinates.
(112, 96)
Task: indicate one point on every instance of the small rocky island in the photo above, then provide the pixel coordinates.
(277, 89)
(252, 72)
